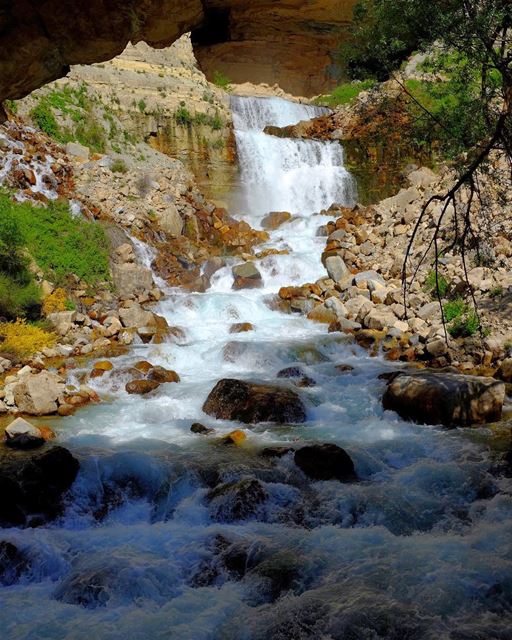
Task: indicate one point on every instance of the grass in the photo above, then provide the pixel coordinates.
(345, 93)
(20, 297)
(462, 321)
(183, 116)
(119, 166)
(60, 244)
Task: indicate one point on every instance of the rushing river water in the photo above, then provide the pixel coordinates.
(419, 547)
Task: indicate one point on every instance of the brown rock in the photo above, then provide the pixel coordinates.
(162, 375)
(141, 387)
(241, 327)
(275, 219)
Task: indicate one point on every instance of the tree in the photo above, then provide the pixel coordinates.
(471, 42)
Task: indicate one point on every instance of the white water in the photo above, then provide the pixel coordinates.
(419, 548)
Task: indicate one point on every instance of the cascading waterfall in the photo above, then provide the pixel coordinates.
(417, 549)
(286, 174)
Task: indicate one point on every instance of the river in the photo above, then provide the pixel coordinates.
(419, 547)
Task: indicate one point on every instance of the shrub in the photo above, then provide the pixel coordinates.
(216, 122)
(24, 339)
(465, 325)
(19, 297)
(43, 117)
(431, 284)
(183, 116)
(141, 104)
(454, 309)
(55, 302)
(90, 133)
(119, 166)
(221, 80)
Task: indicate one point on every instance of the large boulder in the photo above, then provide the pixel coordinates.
(136, 316)
(325, 462)
(36, 394)
(131, 279)
(32, 486)
(449, 399)
(252, 403)
(246, 276)
(21, 434)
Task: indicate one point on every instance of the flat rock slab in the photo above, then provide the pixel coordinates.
(445, 398)
(252, 403)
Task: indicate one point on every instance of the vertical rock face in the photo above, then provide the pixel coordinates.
(290, 42)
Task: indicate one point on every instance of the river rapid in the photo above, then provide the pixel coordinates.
(420, 547)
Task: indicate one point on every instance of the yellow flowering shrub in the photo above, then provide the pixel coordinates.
(24, 339)
(56, 301)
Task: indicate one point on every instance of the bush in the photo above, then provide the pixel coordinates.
(221, 80)
(55, 302)
(119, 166)
(60, 244)
(183, 116)
(141, 104)
(24, 339)
(465, 326)
(454, 309)
(19, 297)
(431, 284)
(43, 117)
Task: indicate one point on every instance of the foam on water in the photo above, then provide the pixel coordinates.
(418, 548)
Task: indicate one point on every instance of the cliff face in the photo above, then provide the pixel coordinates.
(289, 42)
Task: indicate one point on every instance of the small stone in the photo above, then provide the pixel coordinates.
(200, 429)
(235, 437)
(141, 387)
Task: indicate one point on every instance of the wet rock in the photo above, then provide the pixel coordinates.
(237, 500)
(241, 327)
(89, 589)
(445, 398)
(336, 268)
(298, 376)
(162, 375)
(505, 371)
(32, 485)
(236, 437)
(252, 403)
(199, 428)
(275, 219)
(141, 387)
(143, 365)
(325, 462)
(344, 368)
(37, 394)
(246, 276)
(13, 564)
(275, 452)
(20, 434)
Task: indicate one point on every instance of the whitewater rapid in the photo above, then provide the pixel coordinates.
(419, 547)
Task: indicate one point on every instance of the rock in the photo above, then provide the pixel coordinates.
(136, 316)
(371, 278)
(336, 268)
(252, 403)
(275, 219)
(13, 564)
(275, 452)
(236, 437)
(505, 370)
(144, 366)
(37, 394)
(62, 321)
(241, 327)
(77, 150)
(246, 276)
(162, 375)
(429, 311)
(322, 313)
(344, 368)
(298, 376)
(422, 177)
(130, 278)
(325, 462)
(170, 220)
(237, 500)
(103, 365)
(32, 486)
(199, 428)
(141, 387)
(20, 434)
(445, 398)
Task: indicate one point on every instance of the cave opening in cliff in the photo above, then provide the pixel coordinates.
(214, 29)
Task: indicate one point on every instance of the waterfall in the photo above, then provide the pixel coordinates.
(286, 174)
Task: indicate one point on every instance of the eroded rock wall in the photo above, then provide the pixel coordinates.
(291, 42)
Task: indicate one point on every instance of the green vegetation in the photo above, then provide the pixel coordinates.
(11, 106)
(183, 116)
(119, 166)
(345, 93)
(221, 80)
(436, 286)
(141, 104)
(59, 244)
(462, 320)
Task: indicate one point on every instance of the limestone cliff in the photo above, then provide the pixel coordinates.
(259, 40)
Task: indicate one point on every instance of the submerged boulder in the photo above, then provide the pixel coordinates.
(246, 276)
(325, 462)
(449, 399)
(252, 403)
(32, 485)
(237, 500)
